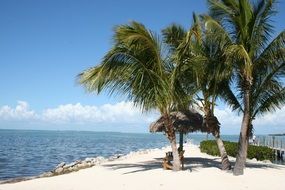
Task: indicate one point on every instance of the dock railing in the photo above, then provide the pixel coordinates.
(276, 142)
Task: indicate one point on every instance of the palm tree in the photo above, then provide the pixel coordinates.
(200, 69)
(258, 62)
(173, 36)
(138, 68)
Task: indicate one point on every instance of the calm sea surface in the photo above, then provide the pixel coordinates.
(28, 153)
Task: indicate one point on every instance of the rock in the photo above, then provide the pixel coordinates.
(70, 169)
(254, 160)
(89, 159)
(267, 161)
(88, 164)
(71, 164)
(47, 174)
(116, 156)
(60, 165)
(83, 165)
(98, 160)
(64, 168)
(58, 170)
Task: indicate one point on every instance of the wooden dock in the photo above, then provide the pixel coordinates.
(275, 142)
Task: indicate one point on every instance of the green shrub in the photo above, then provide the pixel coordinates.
(258, 152)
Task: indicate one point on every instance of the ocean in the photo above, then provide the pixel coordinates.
(26, 153)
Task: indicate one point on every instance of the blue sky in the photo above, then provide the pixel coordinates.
(44, 44)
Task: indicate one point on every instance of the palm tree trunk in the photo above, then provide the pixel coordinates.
(172, 138)
(176, 160)
(226, 165)
(243, 138)
(214, 126)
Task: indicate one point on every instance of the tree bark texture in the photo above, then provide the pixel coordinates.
(172, 138)
(214, 126)
(243, 138)
(226, 165)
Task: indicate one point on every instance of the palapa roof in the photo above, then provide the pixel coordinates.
(186, 122)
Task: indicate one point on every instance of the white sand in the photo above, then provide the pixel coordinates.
(143, 171)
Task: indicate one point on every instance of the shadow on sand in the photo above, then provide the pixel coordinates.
(192, 164)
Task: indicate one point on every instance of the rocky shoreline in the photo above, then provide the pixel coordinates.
(142, 170)
(64, 168)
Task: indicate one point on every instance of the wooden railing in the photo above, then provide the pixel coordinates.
(276, 142)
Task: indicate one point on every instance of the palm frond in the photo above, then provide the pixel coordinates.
(274, 52)
(261, 28)
(173, 35)
(134, 67)
(238, 54)
(228, 96)
(272, 102)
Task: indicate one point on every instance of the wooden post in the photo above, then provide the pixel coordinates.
(180, 140)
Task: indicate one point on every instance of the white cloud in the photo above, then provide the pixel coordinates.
(229, 120)
(20, 112)
(122, 112)
(270, 122)
(272, 119)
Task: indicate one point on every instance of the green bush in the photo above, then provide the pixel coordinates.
(258, 152)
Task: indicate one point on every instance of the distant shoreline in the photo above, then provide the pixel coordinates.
(198, 133)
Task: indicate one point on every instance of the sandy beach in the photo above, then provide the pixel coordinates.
(142, 170)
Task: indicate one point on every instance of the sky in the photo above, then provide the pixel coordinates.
(45, 44)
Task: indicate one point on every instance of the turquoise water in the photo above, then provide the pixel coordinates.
(29, 153)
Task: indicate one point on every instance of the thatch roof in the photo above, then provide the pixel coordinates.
(186, 122)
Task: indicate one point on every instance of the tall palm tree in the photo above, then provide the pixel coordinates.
(258, 62)
(138, 67)
(202, 62)
(173, 36)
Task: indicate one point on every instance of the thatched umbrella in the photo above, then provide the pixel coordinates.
(183, 122)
